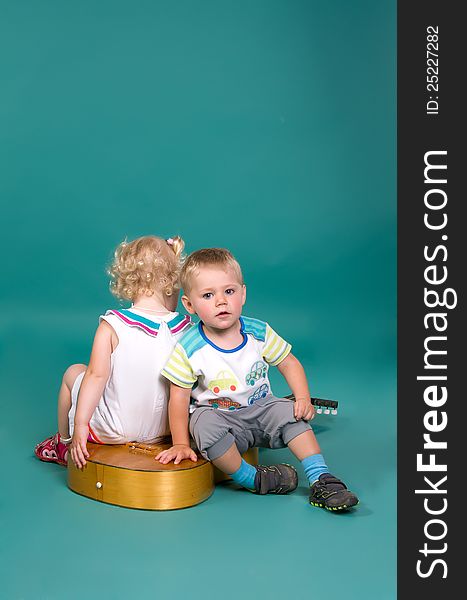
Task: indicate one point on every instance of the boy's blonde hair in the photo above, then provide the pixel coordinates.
(146, 265)
(207, 257)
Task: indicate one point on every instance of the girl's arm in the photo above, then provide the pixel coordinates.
(178, 420)
(293, 372)
(91, 390)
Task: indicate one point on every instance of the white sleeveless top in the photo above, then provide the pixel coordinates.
(134, 403)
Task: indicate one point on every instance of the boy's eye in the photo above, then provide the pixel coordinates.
(207, 295)
(230, 291)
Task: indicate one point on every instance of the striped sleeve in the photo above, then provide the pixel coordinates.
(275, 348)
(178, 369)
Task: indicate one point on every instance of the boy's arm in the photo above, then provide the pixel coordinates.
(178, 420)
(293, 372)
(90, 392)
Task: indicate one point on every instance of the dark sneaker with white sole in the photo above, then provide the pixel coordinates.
(331, 493)
(275, 479)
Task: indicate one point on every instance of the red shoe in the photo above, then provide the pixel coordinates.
(52, 450)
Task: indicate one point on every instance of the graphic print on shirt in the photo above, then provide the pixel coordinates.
(259, 393)
(224, 403)
(225, 380)
(257, 371)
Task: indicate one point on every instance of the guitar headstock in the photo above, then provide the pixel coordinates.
(328, 407)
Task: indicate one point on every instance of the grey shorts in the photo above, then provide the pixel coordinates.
(268, 423)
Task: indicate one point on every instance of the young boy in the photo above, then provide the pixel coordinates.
(222, 366)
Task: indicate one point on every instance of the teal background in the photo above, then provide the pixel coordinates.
(268, 127)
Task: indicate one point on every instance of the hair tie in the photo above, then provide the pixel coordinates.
(170, 241)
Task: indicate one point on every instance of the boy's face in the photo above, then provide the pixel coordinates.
(216, 296)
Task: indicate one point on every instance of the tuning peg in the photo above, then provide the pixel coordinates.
(327, 411)
(319, 410)
(334, 411)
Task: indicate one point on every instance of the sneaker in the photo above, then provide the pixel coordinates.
(329, 492)
(275, 479)
(52, 450)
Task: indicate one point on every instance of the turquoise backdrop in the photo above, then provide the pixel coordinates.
(265, 126)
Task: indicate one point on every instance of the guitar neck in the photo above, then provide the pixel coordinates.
(322, 405)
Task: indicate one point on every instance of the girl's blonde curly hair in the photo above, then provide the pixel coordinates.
(146, 266)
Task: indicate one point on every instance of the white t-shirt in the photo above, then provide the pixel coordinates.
(226, 379)
(133, 406)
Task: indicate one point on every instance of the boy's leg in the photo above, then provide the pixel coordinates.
(221, 437)
(275, 479)
(326, 491)
(306, 448)
(278, 419)
(234, 465)
(214, 434)
(230, 461)
(304, 445)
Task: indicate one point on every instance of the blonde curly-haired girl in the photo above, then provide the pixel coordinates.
(121, 396)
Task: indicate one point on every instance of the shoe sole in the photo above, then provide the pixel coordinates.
(52, 460)
(333, 508)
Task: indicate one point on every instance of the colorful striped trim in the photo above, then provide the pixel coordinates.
(133, 320)
(192, 341)
(255, 327)
(218, 348)
(179, 323)
(175, 379)
(284, 354)
(176, 325)
(178, 368)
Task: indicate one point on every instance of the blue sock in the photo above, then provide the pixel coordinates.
(245, 475)
(314, 466)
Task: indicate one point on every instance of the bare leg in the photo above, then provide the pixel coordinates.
(230, 461)
(304, 445)
(64, 397)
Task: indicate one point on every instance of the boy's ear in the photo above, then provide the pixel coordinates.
(188, 305)
(244, 294)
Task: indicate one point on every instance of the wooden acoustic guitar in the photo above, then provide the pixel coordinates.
(128, 474)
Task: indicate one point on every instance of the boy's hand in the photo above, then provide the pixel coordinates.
(177, 453)
(78, 446)
(304, 409)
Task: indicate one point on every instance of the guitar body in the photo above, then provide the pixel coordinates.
(128, 475)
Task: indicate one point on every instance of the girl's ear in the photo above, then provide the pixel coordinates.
(188, 305)
(170, 302)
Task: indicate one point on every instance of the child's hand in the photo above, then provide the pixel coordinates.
(177, 453)
(304, 409)
(78, 446)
